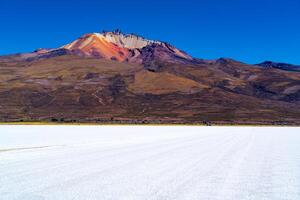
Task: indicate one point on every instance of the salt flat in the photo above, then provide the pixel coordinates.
(149, 162)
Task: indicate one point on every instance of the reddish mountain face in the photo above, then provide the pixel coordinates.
(121, 47)
(124, 78)
(96, 45)
(118, 47)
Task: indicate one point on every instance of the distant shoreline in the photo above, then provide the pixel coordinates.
(150, 124)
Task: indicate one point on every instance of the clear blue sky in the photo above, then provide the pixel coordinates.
(247, 30)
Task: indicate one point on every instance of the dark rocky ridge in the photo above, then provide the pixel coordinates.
(282, 66)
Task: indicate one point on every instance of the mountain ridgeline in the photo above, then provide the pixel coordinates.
(111, 77)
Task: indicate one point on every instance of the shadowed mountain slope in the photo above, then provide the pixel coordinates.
(282, 66)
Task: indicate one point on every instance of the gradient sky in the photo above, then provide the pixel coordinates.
(247, 30)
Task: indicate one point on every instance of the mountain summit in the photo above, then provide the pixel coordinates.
(125, 78)
(116, 46)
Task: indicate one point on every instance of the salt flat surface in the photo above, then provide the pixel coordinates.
(149, 163)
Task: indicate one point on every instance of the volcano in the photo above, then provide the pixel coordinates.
(112, 77)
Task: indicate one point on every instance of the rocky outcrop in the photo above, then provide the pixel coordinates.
(282, 66)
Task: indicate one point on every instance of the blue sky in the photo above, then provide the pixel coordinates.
(247, 30)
